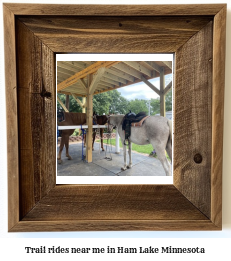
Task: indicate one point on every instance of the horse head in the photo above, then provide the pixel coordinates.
(110, 126)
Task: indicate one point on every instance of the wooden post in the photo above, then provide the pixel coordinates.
(67, 103)
(89, 120)
(162, 95)
(84, 105)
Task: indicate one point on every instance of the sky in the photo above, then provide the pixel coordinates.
(141, 90)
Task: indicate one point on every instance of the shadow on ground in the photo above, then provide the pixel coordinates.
(107, 163)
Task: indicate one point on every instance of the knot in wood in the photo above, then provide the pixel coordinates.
(198, 158)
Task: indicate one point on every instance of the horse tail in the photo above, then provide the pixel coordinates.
(170, 130)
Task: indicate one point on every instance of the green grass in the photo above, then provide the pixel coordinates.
(146, 149)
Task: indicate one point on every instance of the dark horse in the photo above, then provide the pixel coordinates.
(71, 118)
(99, 120)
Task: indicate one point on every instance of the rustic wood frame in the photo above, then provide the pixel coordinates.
(193, 202)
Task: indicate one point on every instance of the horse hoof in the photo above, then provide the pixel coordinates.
(102, 149)
(60, 161)
(123, 168)
(69, 157)
(129, 167)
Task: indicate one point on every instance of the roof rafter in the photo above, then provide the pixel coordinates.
(139, 68)
(168, 63)
(121, 74)
(93, 68)
(123, 67)
(155, 66)
(110, 76)
(96, 80)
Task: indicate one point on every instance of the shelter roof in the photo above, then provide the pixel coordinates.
(107, 75)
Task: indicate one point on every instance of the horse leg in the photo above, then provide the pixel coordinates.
(160, 151)
(125, 160)
(130, 154)
(67, 148)
(169, 149)
(101, 138)
(60, 150)
(93, 139)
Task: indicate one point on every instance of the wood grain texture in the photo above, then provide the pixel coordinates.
(36, 96)
(11, 116)
(115, 34)
(113, 207)
(189, 204)
(114, 225)
(193, 113)
(114, 10)
(218, 114)
(113, 202)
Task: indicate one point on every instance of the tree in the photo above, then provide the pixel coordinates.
(101, 103)
(137, 106)
(73, 105)
(168, 101)
(155, 106)
(119, 104)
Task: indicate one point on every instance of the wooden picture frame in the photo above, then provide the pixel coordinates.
(34, 33)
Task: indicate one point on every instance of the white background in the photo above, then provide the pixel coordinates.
(217, 244)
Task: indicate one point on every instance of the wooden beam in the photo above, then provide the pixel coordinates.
(83, 84)
(139, 68)
(84, 105)
(168, 63)
(64, 66)
(106, 84)
(121, 74)
(73, 66)
(167, 88)
(89, 120)
(108, 80)
(96, 80)
(150, 85)
(77, 100)
(76, 64)
(70, 93)
(155, 66)
(113, 77)
(63, 106)
(124, 68)
(64, 71)
(89, 70)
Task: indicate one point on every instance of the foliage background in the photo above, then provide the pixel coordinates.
(112, 102)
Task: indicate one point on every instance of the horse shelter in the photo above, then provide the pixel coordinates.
(87, 78)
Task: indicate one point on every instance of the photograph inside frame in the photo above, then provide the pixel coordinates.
(114, 119)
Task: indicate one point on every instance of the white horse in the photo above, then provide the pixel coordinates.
(156, 130)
